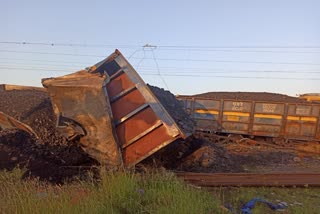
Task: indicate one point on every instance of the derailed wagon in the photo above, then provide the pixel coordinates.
(288, 120)
(117, 118)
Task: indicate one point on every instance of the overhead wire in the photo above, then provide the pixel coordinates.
(167, 74)
(166, 46)
(235, 50)
(173, 68)
(198, 70)
(158, 69)
(69, 44)
(247, 49)
(41, 60)
(36, 69)
(141, 59)
(51, 53)
(180, 74)
(232, 61)
(169, 59)
(235, 77)
(236, 71)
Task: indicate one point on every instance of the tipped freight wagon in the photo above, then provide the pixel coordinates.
(117, 118)
(256, 118)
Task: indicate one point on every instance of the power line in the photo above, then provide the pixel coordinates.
(158, 69)
(173, 75)
(239, 71)
(169, 59)
(40, 60)
(141, 59)
(248, 49)
(48, 53)
(241, 46)
(194, 69)
(175, 71)
(233, 50)
(45, 64)
(212, 69)
(233, 77)
(70, 44)
(36, 69)
(165, 46)
(232, 61)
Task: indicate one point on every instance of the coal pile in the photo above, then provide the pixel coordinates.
(174, 108)
(50, 157)
(252, 96)
(34, 109)
(54, 163)
(208, 157)
(194, 155)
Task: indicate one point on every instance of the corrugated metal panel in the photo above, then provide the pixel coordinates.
(206, 104)
(296, 121)
(206, 114)
(238, 106)
(207, 125)
(235, 127)
(269, 108)
(142, 124)
(266, 130)
(302, 121)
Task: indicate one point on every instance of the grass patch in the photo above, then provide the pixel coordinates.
(153, 192)
(119, 192)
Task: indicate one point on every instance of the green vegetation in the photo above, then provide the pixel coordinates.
(115, 193)
(153, 192)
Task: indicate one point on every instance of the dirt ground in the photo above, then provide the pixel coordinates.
(54, 159)
(235, 153)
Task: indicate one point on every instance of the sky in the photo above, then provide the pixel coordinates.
(191, 47)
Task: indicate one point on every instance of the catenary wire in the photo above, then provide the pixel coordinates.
(169, 59)
(166, 46)
(158, 70)
(170, 70)
(176, 75)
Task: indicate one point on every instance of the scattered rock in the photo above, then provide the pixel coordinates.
(297, 159)
(14, 158)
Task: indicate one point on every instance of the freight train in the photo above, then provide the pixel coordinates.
(286, 120)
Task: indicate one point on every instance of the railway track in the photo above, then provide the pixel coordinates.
(251, 179)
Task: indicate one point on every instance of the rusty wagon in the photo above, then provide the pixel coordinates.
(255, 118)
(110, 111)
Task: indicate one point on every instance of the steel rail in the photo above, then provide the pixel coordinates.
(251, 179)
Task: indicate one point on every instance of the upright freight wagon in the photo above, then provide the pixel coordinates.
(287, 120)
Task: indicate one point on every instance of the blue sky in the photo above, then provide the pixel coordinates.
(271, 45)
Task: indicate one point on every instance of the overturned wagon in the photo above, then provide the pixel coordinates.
(289, 120)
(117, 118)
